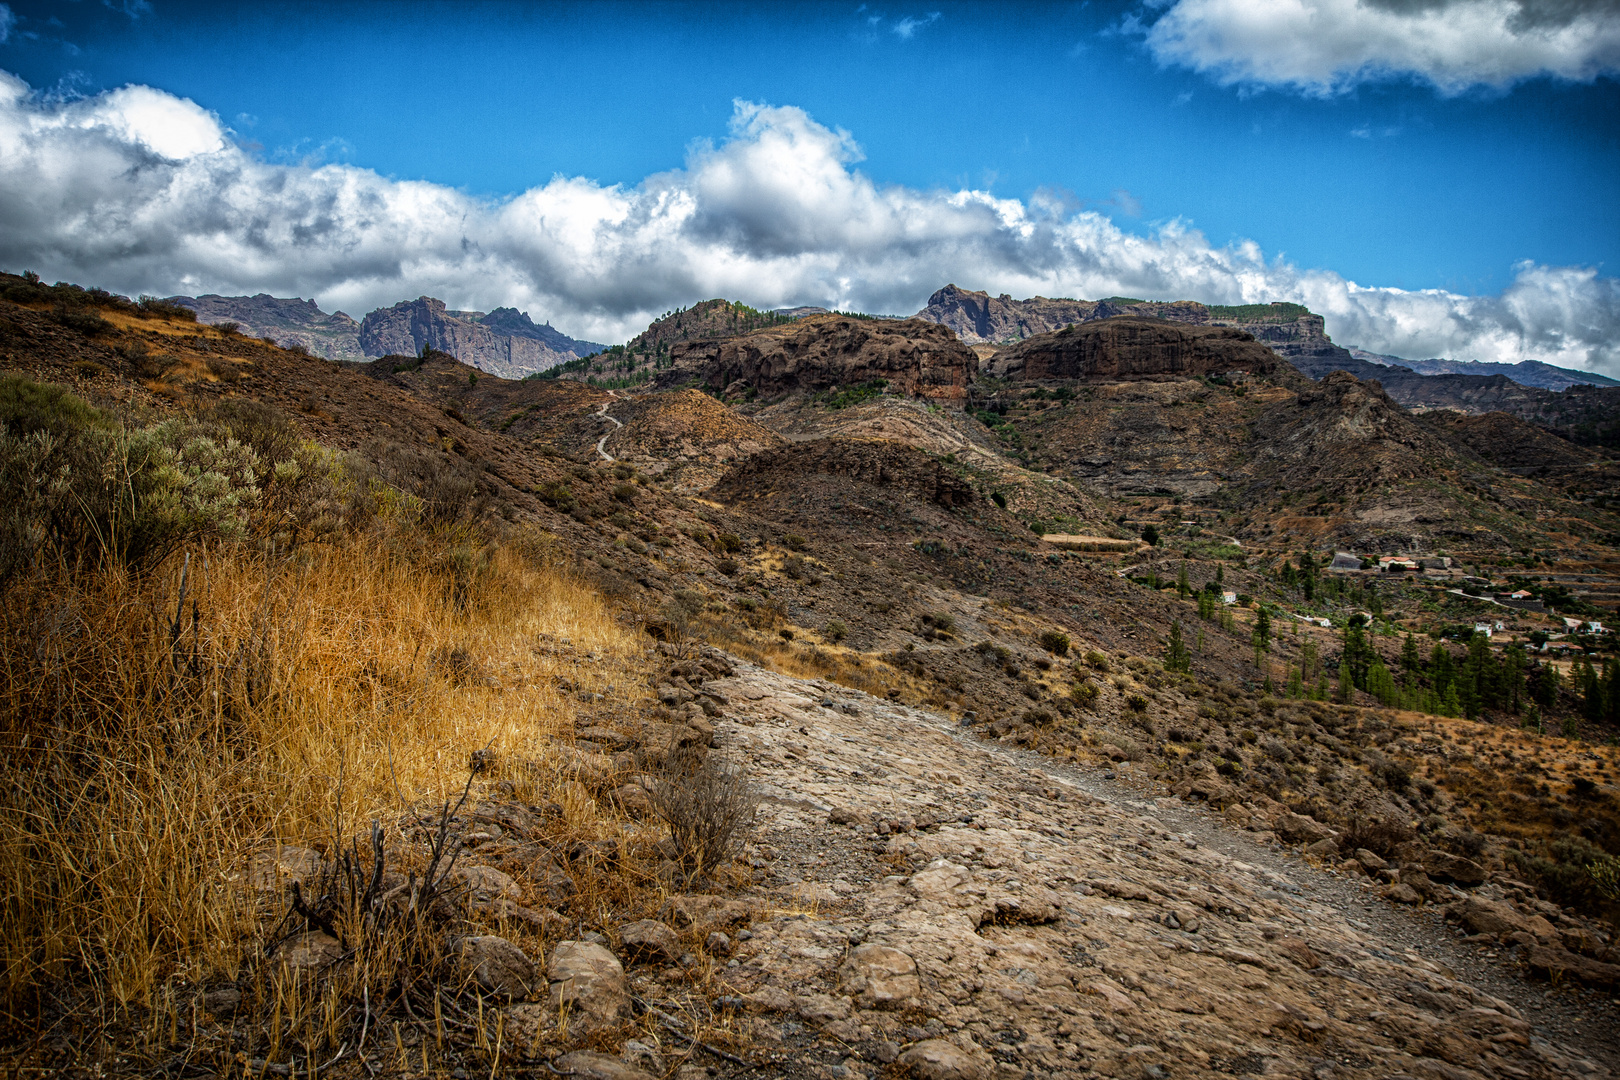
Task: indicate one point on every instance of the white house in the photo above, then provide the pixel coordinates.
(1484, 628)
(1228, 597)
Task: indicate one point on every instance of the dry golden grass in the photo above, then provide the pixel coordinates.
(148, 758)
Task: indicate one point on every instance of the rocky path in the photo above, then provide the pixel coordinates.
(968, 911)
(602, 414)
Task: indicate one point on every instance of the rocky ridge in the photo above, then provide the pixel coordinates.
(911, 357)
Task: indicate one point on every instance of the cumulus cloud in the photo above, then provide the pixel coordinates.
(7, 20)
(141, 191)
(1325, 47)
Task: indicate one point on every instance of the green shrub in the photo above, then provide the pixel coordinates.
(1096, 661)
(1055, 642)
(78, 487)
(794, 542)
(835, 631)
(152, 307)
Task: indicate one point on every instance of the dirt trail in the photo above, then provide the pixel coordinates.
(1046, 921)
(602, 414)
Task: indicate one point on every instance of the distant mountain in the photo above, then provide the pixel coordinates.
(504, 341)
(1525, 372)
(289, 321)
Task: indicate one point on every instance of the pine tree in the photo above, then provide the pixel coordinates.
(1347, 685)
(1182, 588)
(1296, 685)
(1411, 661)
(1176, 657)
(1262, 626)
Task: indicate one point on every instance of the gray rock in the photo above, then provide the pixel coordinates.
(650, 941)
(485, 883)
(499, 966)
(589, 981)
(936, 1059)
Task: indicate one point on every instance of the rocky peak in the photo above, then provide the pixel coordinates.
(913, 356)
(412, 325)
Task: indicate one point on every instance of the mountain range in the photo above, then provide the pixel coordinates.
(503, 342)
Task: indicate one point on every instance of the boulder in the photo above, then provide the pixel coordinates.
(1370, 860)
(650, 941)
(1555, 963)
(498, 966)
(589, 981)
(1448, 867)
(1300, 829)
(1403, 894)
(1323, 849)
(936, 1059)
(881, 977)
(1481, 916)
(589, 1065)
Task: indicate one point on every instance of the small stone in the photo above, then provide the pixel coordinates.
(936, 1059)
(649, 941)
(222, 1002)
(1402, 894)
(633, 800)
(885, 1051)
(717, 943)
(310, 951)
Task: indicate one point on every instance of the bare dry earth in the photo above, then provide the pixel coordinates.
(946, 908)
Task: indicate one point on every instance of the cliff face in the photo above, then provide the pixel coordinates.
(980, 319)
(1126, 348)
(917, 358)
(288, 321)
(503, 343)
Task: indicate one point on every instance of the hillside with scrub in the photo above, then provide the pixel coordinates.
(834, 700)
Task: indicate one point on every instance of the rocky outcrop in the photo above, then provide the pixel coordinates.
(504, 342)
(290, 322)
(980, 319)
(879, 462)
(1119, 349)
(912, 357)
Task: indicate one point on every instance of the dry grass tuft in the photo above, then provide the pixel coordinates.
(159, 734)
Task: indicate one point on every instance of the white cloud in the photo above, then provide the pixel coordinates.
(1323, 47)
(905, 28)
(139, 191)
(8, 19)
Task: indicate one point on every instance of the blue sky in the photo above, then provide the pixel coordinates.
(1450, 174)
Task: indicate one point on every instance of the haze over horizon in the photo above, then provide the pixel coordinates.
(1435, 179)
